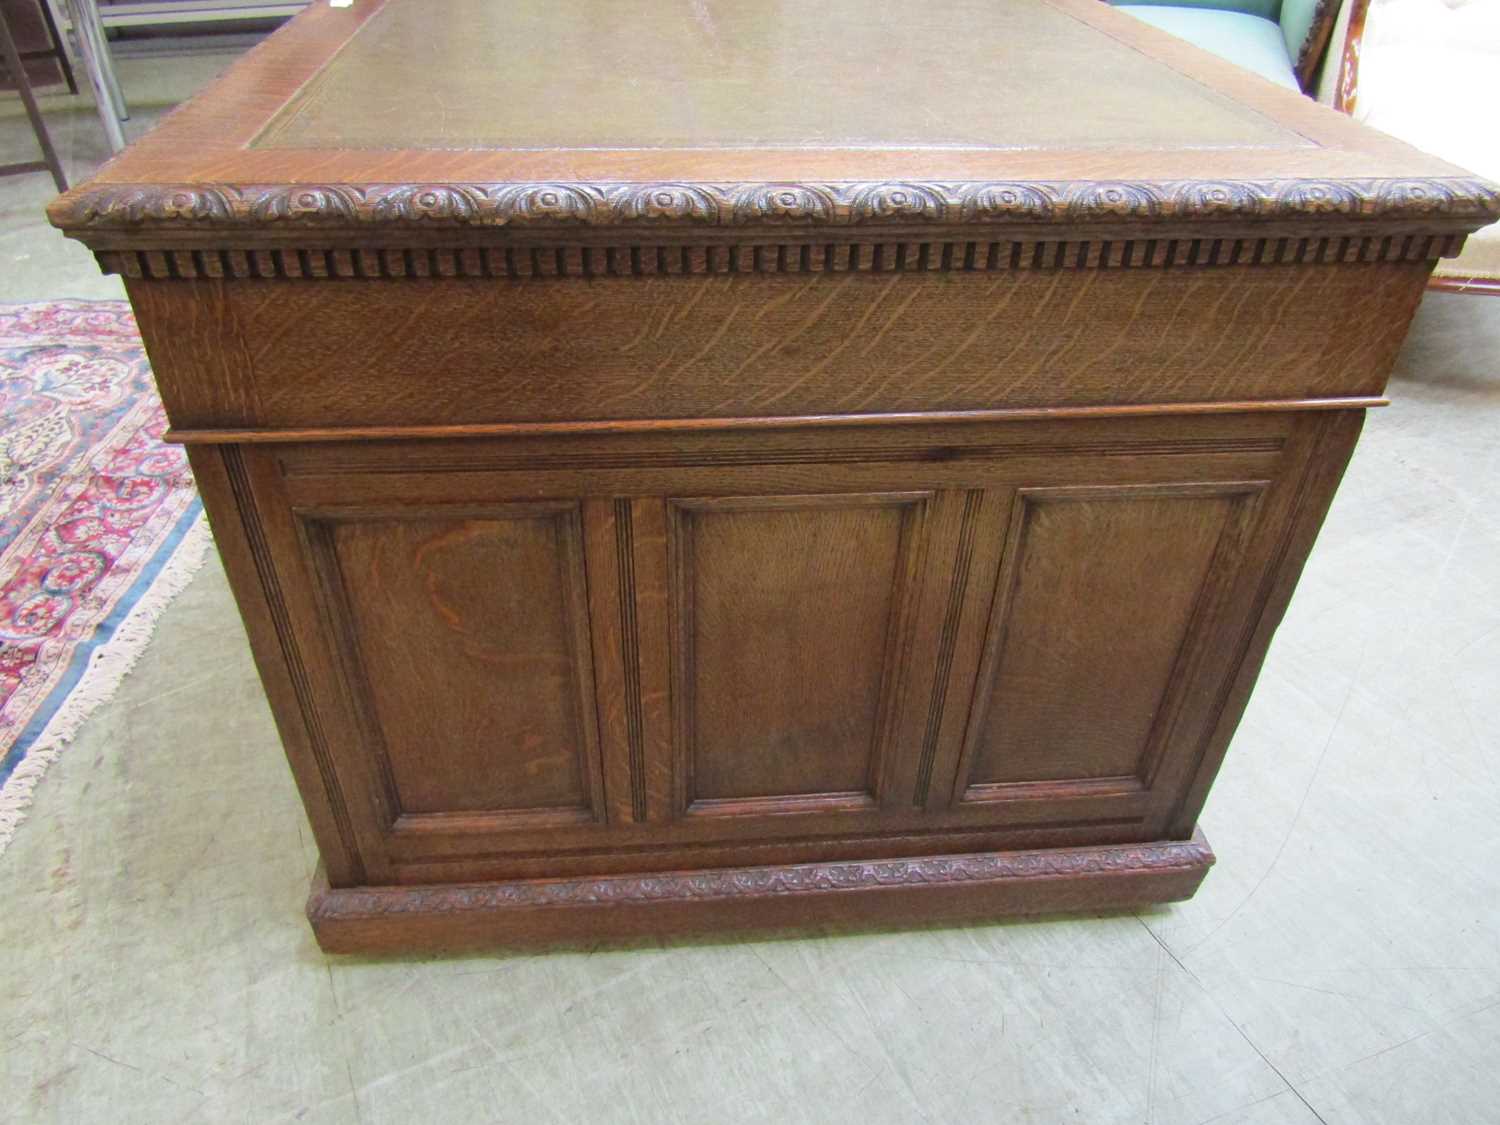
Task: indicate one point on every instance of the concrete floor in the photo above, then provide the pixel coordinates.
(1341, 964)
(36, 264)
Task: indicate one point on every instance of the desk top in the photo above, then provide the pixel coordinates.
(422, 117)
(687, 74)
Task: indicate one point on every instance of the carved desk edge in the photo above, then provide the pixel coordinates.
(1448, 203)
(632, 229)
(363, 918)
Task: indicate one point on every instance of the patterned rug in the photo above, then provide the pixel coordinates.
(99, 525)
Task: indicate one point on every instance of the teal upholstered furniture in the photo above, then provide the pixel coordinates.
(1278, 39)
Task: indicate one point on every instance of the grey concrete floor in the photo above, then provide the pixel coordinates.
(35, 264)
(1341, 964)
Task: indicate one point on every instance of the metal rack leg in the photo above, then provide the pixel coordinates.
(95, 58)
(106, 60)
(54, 37)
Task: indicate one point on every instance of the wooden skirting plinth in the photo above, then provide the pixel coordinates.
(535, 912)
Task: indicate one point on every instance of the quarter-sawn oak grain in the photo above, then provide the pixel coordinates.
(804, 486)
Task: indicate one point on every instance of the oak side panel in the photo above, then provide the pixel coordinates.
(791, 620)
(317, 651)
(254, 353)
(1095, 603)
(1326, 443)
(966, 477)
(464, 638)
(239, 539)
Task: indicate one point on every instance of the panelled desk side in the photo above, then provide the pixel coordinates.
(628, 552)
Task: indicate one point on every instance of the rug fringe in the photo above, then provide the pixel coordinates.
(107, 668)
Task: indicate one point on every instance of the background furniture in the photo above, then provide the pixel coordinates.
(93, 51)
(17, 72)
(37, 41)
(91, 22)
(1423, 71)
(1282, 40)
(187, 13)
(659, 508)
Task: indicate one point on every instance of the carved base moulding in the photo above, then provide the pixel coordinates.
(845, 896)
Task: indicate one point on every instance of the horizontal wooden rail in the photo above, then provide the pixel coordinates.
(802, 421)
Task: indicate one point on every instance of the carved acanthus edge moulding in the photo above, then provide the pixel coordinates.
(142, 207)
(761, 882)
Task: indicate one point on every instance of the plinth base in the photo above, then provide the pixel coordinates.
(539, 912)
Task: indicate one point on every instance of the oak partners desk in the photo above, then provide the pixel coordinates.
(707, 465)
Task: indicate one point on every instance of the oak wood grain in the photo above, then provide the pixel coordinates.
(480, 617)
(1132, 564)
(730, 533)
(348, 354)
(779, 807)
(770, 593)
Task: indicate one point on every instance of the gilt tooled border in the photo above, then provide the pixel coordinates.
(699, 886)
(692, 205)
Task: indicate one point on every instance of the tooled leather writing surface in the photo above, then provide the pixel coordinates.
(521, 74)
